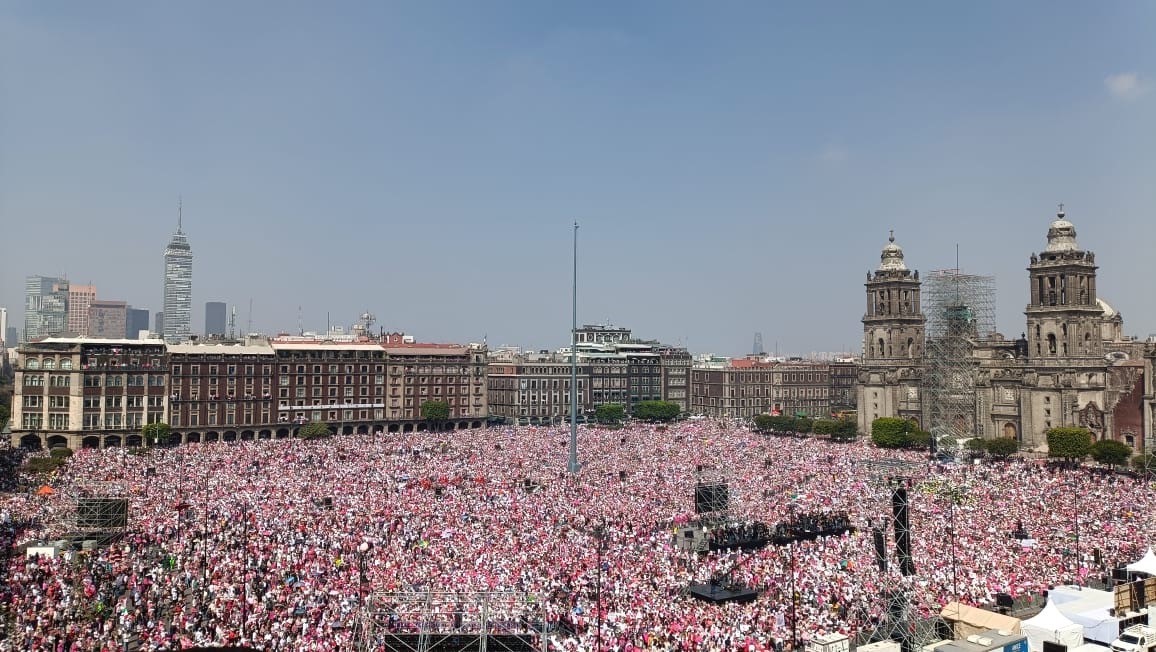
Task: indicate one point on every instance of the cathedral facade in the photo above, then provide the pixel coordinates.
(1072, 365)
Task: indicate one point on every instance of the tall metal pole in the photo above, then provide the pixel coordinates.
(573, 465)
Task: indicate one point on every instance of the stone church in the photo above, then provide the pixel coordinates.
(1072, 365)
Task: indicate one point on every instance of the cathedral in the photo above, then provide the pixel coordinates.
(1071, 366)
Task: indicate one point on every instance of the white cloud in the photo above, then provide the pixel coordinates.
(834, 154)
(1126, 85)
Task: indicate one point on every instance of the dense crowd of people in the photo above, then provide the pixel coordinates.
(267, 543)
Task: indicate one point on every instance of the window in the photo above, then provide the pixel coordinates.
(49, 363)
(33, 380)
(33, 421)
(32, 363)
(66, 363)
(32, 401)
(60, 380)
(58, 401)
(195, 370)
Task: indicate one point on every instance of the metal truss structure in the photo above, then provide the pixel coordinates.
(452, 621)
(960, 311)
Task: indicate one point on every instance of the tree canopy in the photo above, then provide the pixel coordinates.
(891, 432)
(1071, 444)
(314, 430)
(1002, 447)
(1111, 452)
(609, 413)
(435, 412)
(657, 411)
(155, 434)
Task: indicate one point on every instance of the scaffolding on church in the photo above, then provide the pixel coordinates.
(960, 311)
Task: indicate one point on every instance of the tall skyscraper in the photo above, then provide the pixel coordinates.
(215, 318)
(107, 319)
(80, 297)
(45, 307)
(178, 308)
(4, 327)
(136, 320)
(11, 338)
(159, 324)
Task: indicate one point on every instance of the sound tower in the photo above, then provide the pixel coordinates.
(880, 548)
(711, 497)
(899, 509)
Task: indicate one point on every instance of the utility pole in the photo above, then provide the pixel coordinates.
(573, 464)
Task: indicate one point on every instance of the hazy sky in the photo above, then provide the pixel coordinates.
(735, 167)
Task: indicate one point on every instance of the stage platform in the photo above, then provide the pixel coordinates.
(717, 594)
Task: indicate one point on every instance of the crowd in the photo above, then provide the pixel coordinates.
(267, 543)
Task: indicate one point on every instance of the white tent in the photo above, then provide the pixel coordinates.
(1053, 626)
(1090, 608)
(1147, 564)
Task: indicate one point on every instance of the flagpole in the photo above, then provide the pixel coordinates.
(573, 464)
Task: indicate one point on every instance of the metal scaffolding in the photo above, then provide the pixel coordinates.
(960, 311)
(452, 621)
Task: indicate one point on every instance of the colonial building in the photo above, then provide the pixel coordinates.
(747, 387)
(1071, 367)
(100, 392)
(613, 367)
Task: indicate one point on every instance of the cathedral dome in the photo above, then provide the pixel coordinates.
(1062, 234)
(891, 260)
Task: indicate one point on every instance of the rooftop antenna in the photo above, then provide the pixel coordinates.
(300, 330)
(180, 211)
(572, 466)
(249, 324)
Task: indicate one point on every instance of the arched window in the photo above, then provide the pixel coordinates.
(66, 363)
(910, 347)
(49, 363)
(1009, 430)
(1051, 343)
(32, 363)
(882, 349)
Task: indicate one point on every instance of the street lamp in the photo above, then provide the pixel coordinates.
(794, 598)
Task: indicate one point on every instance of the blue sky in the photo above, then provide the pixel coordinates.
(735, 167)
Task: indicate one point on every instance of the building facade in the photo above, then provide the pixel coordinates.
(136, 321)
(215, 319)
(743, 388)
(108, 319)
(178, 289)
(1072, 366)
(45, 307)
(80, 298)
(88, 392)
(613, 367)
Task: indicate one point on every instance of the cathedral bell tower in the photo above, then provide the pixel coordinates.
(1064, 315)
(893, 329)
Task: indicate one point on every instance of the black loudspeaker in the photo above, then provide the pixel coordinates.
(438, 491)
(899, 509)
(151, 472)
(1003, 600)
(698, 468)
(880, 548)
(327, 502)
(711, 497)
(101, 513)
(1054, 647)
(1098, 556)
(622, 476)
(688, 534)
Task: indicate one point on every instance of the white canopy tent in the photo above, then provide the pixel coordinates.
(1147, 564)
(1053, 626)
(1090, 608)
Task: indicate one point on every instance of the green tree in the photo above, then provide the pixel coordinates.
(977, 445)
(918, 439)
(1001, 447)
(824, 426)
(436, 413)
(314, 430)
(1071, 444)
(890, 432)
(610, 413)
(156, 434)
(763, 422)
(803, 424)
(1111, 452)
(656, 411)
(845, 430)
